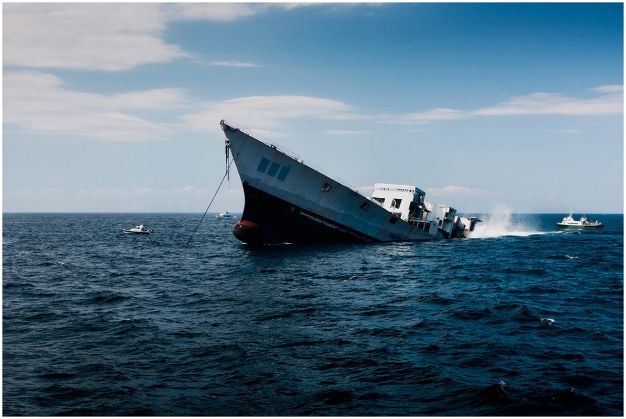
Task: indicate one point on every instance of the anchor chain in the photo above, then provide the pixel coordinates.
(227, 174)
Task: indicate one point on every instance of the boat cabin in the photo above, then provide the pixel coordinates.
(404, 201)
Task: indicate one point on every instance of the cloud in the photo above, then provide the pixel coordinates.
(221, 12)
(610, 101)
(266, 113)
(566, 131)
(109, 36)
(423, 118)
(613, 88)
(459, 191)
(437, 114)
(40, 102)
(102, 36)
(229, 64)
(347, 132)
(96, 36)
(37, 101)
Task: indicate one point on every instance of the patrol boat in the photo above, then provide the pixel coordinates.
(288, 201)
(569, 222)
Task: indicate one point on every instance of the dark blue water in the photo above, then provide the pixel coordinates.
(526, 321)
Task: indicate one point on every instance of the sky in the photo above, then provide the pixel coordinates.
(490, 107)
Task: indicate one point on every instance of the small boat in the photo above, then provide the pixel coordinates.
(140, 229)
(569, 222)
(225, 214)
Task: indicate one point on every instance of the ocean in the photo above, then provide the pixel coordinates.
(522, 319)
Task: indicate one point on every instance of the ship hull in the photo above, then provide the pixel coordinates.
(579, 226)
(270, 220)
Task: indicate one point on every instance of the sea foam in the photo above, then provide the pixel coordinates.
(499, 224)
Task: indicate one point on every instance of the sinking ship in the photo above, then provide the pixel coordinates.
(290, 201)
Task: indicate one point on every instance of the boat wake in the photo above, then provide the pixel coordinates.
(500, 224)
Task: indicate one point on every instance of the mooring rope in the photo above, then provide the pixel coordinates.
(207, 208)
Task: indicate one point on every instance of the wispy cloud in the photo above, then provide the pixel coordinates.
(229, 64)
(347, 132)
(609, 101)
(267, 113)
(437, 114)
(40, 102)
(221, 12)
(612, 88)
(459, 191)
(566, 131)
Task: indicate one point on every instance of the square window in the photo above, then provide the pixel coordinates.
(284, 171)
(365, 206)
(273, 169)
(326, 187)
(263, 165)
(393, 219)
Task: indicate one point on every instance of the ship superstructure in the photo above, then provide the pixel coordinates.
(407, 202)
(288, 201)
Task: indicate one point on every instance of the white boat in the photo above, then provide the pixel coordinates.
(225, 214)
(569, 222)
(288, 201)
(140, 229)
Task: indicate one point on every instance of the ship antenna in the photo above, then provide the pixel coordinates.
(212, 199)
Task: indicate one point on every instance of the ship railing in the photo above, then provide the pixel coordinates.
(289, 153)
